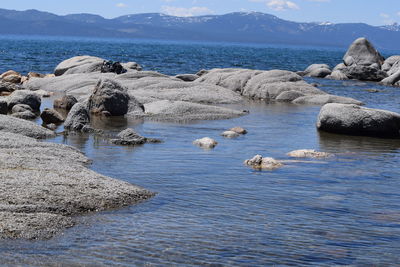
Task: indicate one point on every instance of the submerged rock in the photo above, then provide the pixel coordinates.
(66, 102)
(239, 130)
(230, 134)
(51, 116)
(129, 137)
(206, 142)
(78, 118)
(259, 162)
(356, 120)
(308, 153)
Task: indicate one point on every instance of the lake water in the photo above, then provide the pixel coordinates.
(211, 209)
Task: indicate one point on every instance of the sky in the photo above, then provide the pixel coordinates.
(374, 12)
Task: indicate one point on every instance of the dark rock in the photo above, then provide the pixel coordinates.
(187, 77)
(109, 96)
(25, 115)
(78, 118)
(24, 97)
(356, 120)
(364, 73)
(66, 102)
(3, 107)
(51, 116)
(129, 137)
(111, 66)
(9, 87)
(202, 72)
(21, 108)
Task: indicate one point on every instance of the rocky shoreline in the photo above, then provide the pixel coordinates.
(45, 185)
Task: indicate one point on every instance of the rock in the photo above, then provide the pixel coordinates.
(324, 99)
(12, 79)
(288, 96)
(21, 108)
(43, 93)
(66, 102)
(131, 66)
(19, 126)
(337, 75)
(339, 67)
(238, 130)
(45, 186)
(51, 116)
(79, 64)
(129, 137)
(308, 153)
(205, 142)
(9, 87)
(259, 162)
(35, 75)
(364, 73)
(392, 79)
(230, 134)
(8, 73)
(389, 62)
(78, 118)
(395, 68)
(109, 96)
(202, 72)
(187, 77)
(362, 53)
(373, 90)
(111, 66)
(25, 115)
(356, 120)
(24, 97)
(3, 107)
(317, 71)
(180, 111)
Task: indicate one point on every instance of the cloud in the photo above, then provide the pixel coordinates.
(121, 5)
(186, 12)
(398, 13)
(319, 1)
(384, 15)
(278, 5)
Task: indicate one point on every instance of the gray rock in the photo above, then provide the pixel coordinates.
(364, 73)
(113, 67)
(3, 107)
(66, 102)
(230, 134)
(180, 111)
(261, 163)
(317, 71)
(51, 116)
(78, 118)
(25, 115)
(19, 126)
(389, 62)
(337, 75)
(308, 153)
(392, 79)
(21, 108)
(356, 120)
(24, 97)
(45, 186)
(79, 64)
(324, 99)
(9, 87)
(313, 67)
(131, 66)
(12, 79)
(288, 96)
(395, 68)
(205, 142)
(362, 53)
(238, 130)
(339, 67)
(202, 72)
(129, 137)
(110, 97)
(187, 77)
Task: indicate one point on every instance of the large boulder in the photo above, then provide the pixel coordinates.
(24, 97)
(364, 73)
(317, 71)
(79, 64)
(389, 62)
(356, 120)
(392, 79)
(51, 116)
(78, 118)
(109, 98)
(66, 102)
(362, 53)
(19, 126)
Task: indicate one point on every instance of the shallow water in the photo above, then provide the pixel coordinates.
(211, 209)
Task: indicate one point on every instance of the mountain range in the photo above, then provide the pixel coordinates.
(246, 27)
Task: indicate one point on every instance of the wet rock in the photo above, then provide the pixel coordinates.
(24, 97)
(239, 130)
(66, 102)
(47, 185)
(259, 162)
(187, 77)
(362, 53)
(324, 99)
(113, 67)
(364, 73)
(78, 118)
(230, 134)
(19, 126)
(25, 115)
(109, 96)
(51, 116)
(21, 108)
(205, 142)
(3, 107)
(129, 137)
(308, 153)
(356, 120)
(79, 64)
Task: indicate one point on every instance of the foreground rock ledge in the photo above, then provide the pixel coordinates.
(42, 185)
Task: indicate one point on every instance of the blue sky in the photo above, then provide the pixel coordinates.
(375, 12)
